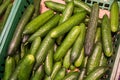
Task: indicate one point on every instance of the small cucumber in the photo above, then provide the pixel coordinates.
(94, 59)
(43, 30)
(71, 76)
(35, 45)
(17, 57)
(78, 10)
(66, 60)
(72, 67)
(91, 31)
(114, 16)
(67, 43)
(36, 23)
(9, 67)
(61, 74)
(39, 73)
(49, 61)
(84, 62)
(96, 74)
(77, 46)
(98, 35)
(82, 74)
(80, 58)
(67, 25)
(106, 37)
(56, 68)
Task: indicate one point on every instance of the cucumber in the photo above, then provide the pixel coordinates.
(61, 74)
(9, 67)
(67, 1)
(84, 62)
(4, 6)
(82, 74)
(103, 60)
(23, 51)
(67, 25)
(35, 45)
(67, 43)
(94, 59)
(71, 76)
(96, 74)
(1, 2)
(49, 61)
(80, 58)
(77, 46)
(91, 31)
(43, 50)
(114, 16)
(39, 73)
(72, 67)
(78, 10)
(45, 28)
(23, 69)
(36, 23)
(15, 42)
(17, 57)
(106, 37)
(47, 78)
(56, 68)
(98, 35)
(66, 60)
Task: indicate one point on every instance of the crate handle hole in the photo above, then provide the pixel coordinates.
(100, 4)
(88, 1)
(107, 5)
(94, 2)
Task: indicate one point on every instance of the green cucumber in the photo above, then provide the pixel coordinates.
(77, 46)
(35, 45)
(39, 73)
(106, 36)
(80, 58)
(56, 68)
(9, 67)
(43, 50)
(1, 2)
(71, 76)
(23, 51)
(47, 78)
(67, 43)
(49, 61)
(23, 69)
(36, 23)
(67, 25)
(67, 1)
(4, 6)
(72, 67)
(98, 35)
(15, 42)
(43, 30)
(17, 57)
(114, 16)
(78, 10)
(66, 60)
(84, 62)
(82, 74)
(94, 59)
(96, 74)
(91, 31)
(61, 74)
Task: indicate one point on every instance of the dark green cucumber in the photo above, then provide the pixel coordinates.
(36, 23)
(106, 36)
(77, 46)
(98, 35)
(67, 12)
(43, 50)
(114, 16)
(1, 2)
(49, 61)
(4, 6)
(67, 25)
(9, 67)
(78, 10)
(35, 45)
(96, 74)
(94, 59)
(43, 30)
(23, 52)
(66, 60)
(7, 12)
(67, 43)
(91, 31)
(23, 69)
(37, 8)
(56, 68)
(103, 60)
(80, 58)
(15, 42)
(39, 73)
(82, 74)
(61, 74)
(71, 76)
(17, 57)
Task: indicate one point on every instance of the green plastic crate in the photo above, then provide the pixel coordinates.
(14, 17)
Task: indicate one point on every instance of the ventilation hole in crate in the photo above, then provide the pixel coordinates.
(88, 1)
(107, 5)
(100, 4)
(94, 2)
(28, 1)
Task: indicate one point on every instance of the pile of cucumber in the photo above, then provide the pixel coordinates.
(5, 9)
(67, 42)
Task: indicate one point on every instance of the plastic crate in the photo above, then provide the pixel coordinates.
(14, 17)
